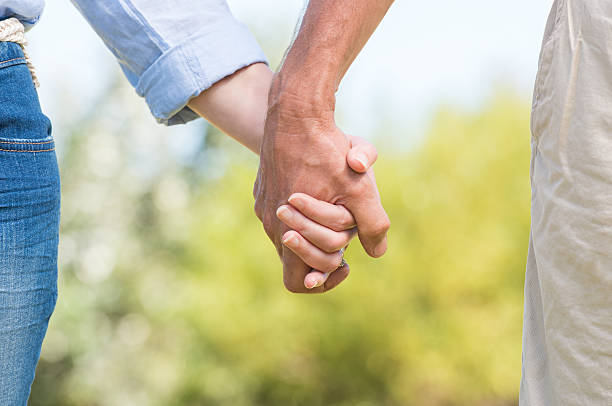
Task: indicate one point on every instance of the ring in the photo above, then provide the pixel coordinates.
(342, 260)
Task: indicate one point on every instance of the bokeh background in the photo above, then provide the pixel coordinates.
(170, 292)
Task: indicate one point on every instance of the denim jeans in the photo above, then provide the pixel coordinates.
(29, 226)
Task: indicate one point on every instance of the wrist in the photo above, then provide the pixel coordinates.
(237, 104)
(298, 96)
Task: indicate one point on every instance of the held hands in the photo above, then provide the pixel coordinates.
(311, 157)
(302, 150)
(320, 229)
(304, 157)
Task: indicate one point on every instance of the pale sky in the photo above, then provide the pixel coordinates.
(424, 53)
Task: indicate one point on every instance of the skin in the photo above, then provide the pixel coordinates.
(237, 105)
(303, 151)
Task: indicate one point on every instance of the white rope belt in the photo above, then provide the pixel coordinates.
(11, 30)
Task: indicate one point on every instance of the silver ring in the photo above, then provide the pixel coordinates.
(342, 260)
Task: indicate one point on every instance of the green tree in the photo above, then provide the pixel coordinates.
(171, 294)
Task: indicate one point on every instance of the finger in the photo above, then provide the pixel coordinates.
(362, 154)
(326, 281)
(333, 216)
(321, 237)
(295, 271)
(315, 279)
(336, 277)
(372, 221)
(310, 254)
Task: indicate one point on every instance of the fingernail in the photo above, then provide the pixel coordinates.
(283, 212)
(362, 160)
(320, 282)
(310, 284)
(290, 241)
(314, 281)
(296, 202)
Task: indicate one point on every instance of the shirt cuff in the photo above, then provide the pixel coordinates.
(187, 69)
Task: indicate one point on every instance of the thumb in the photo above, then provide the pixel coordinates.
(362, 154)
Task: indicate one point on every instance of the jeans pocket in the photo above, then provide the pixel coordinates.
(23, 126)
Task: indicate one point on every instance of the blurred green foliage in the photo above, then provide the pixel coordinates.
(171, 293)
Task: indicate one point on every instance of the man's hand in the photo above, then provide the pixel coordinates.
(308, 155)
(302, 149)
(316, 235)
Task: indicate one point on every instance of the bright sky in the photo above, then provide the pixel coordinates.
(424, 53)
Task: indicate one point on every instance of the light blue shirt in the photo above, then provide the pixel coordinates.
(27, 11)
(170, 51)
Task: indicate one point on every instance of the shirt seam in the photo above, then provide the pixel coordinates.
(147, 27)
(198, 75)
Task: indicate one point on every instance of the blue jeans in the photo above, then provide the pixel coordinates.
(29, 226)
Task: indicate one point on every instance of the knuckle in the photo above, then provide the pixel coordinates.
(336, 243)
(381, 227)
(329, 268)
(347, 220)
(337, 225)
(332, 264)
(342, 223)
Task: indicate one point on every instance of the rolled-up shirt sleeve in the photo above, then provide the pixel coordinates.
(171, 51)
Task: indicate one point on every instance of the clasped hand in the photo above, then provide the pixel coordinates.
(314, 191)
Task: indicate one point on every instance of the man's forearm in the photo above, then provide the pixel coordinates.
(331, 36)
(302, 149)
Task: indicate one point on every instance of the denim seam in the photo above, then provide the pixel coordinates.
(25, 150)
(11, 60)
(29, 143)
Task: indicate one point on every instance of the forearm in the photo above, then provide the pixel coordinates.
(331, 36)
(237, 105)
(171, 51)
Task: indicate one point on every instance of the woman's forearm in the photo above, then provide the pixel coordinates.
(237, 105)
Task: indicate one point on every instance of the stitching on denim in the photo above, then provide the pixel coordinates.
(26, 150)
(11, 60)
(29, 143)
